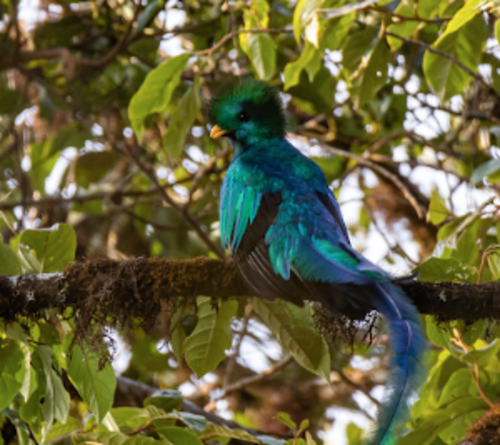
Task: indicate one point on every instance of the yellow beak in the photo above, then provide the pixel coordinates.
(217, 132)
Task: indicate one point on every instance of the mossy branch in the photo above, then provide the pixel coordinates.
(137, 288)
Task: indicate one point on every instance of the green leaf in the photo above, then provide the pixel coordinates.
(465, 15)
(215, 431)
(485, 170)
(54, 248)
(9, 262)
(354, 434)
(305, 11)
(497, 30)
(461, 384)
(437, 209)
(306, 346)
(445, 269)
(60, 429)
(294, 69)
(336, 31)
(425, 432)
(371, 75)
(183, 119)
(206, 346)
(166, 399)
(56, 401)
(107, 438)
(268, 440)
(285, 419)
(156, 91)
(493, 260)
(91, 167)
(12, 370)
(346, 9)
(177, 435)
(194, 422)
(356, 46)
(484, 356)
(465, 44)
(262, 53)
(96, 387)
(129, 417)
(437, 334)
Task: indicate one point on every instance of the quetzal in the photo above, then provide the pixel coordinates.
(285, 231)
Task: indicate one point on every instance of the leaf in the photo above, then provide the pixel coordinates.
(156, 91)
(445, 269)
(56, 401)
(183, 119)
(12, 370)
(262, 53)
(59, 429)
(54, 247)
(268, 440)
(461, 384)
(484, 170)
(497, 30)
(129, 417)
(294, 69)
(9, 262)
(354, 434)
(346, 9)
(194, 422)
(438, 335)
(307, 347)
(464, 15)
(466, 44)
(255, 17)
(92, 166)
(304, 12)
(166, 399)
(493, 260)
(371, 76)
(425, 432)
(96, 387)
(356, 46)
(482, 357)
(206, 346)
(286, 420)
(177, 435)
(214, 431)
(336, 31)
(437, 208)
(107, 438)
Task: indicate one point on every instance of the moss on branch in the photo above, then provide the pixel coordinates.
(102, 292)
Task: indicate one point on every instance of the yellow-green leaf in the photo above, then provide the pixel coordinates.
(437, 209)
(206, 346)
(262, 53)
(156, 91)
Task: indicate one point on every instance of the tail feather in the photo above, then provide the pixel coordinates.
(408, 345)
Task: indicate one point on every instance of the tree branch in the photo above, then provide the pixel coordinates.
(134, 288)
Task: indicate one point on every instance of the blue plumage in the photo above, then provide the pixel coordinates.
(285, 231)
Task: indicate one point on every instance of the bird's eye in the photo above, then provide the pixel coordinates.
(243, 116)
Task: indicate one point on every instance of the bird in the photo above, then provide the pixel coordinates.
(283, 227)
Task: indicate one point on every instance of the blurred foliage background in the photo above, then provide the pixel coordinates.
(103, 132)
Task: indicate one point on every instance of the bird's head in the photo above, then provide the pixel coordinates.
(248, 114)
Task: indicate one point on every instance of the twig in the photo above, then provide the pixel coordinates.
(232, 34)
(250, 380)
(438, 52)
(404, 18)
(232, 359)
(166, 198)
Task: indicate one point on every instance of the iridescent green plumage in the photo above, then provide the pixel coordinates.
(285, 231)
